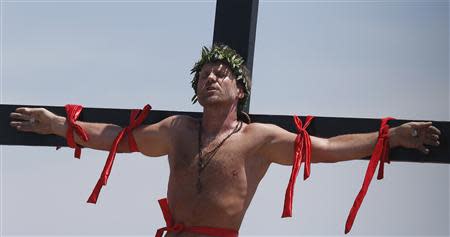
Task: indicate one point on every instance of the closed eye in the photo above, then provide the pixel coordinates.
(220, 74)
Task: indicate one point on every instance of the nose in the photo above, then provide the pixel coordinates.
(211, 77)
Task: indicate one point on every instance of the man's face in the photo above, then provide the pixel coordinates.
(217, 85)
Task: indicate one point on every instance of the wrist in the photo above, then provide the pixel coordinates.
(393, 138)
(58, 126)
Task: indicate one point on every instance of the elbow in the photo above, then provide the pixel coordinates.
(323, 151)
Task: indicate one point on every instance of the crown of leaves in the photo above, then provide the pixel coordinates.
(222, 53)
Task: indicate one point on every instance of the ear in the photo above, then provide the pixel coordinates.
(240, 93)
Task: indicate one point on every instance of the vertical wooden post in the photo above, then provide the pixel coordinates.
(235, 26)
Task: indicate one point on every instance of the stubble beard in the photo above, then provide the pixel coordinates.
(216, 100)
(211, 101)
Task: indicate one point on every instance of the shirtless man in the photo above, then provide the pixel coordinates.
(217, 162)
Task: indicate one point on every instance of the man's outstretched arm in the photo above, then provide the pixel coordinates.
(279, 145)
(152, 140)
(356, 146)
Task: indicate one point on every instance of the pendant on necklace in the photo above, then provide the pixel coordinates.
(201, 166)
(199, 185)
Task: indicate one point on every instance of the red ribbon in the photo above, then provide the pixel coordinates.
(73, 112)
(136, 118)
(302, 153)
(381, 153)
(177, 228)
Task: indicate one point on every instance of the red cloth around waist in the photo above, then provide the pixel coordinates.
(172, 227)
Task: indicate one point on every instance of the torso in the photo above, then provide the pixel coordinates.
(228, 182)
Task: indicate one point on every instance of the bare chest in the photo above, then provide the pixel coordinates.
(225, 167)
(227, 181)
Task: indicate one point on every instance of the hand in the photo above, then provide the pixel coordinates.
(37, 120)
(416, 135)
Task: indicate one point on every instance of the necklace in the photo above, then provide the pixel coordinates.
(203, 160)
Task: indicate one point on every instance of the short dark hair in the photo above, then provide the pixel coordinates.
(224, 54)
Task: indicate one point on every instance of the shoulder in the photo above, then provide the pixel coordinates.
(272, 143)
(263, 133)
(263, 129)
(180, 122)
(269, 134)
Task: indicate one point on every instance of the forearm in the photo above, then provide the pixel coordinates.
(356, 146)
(101, 136)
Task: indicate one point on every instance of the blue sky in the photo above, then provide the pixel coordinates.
(327, 58)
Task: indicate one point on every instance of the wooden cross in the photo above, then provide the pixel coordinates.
(235, 25)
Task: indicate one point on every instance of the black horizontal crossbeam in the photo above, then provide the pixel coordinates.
(320, 127)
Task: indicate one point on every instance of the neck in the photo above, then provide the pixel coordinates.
(218, 119)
